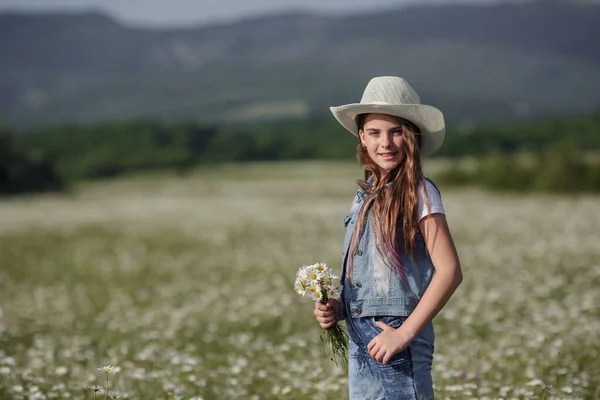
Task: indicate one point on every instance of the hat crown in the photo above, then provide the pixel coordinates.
(389, 90)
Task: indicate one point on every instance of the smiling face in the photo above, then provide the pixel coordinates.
(382, 136)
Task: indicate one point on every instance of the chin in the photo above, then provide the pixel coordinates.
(389, 166)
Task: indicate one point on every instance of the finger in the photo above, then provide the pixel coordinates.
(382, 325)
(380, 355)
(323, 313)
(373, 350)
(320, 306)
(371, 344)
(326, 322)
(326, 314)
(386, 359)
(323, 320)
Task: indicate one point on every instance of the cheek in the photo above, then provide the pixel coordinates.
(372, 150)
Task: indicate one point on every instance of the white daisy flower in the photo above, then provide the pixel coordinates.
(317, 295)
(109, 369)
(337, 290)
(300, 287)
(302, 273)
(10, 361)
(314, 275)
(95, 388)
(321, 267)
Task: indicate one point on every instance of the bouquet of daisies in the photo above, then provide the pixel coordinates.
(317, 282)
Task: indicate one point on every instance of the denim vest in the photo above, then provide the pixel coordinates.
(377, 289)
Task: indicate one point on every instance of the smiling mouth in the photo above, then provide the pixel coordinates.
(388, 154)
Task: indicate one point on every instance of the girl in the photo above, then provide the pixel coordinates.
(396, 238)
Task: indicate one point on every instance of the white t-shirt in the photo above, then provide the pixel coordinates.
(435, 201)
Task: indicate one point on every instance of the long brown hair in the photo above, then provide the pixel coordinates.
(394, 207)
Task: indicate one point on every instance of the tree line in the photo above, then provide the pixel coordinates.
(52, 158)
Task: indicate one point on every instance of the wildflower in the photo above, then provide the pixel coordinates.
(317, 296)
(109, 369)
(10, 361)
(314, 276)
(114, 395)
(300, 288)
(302, 273)
(95, 388)
(4, 370)
(310, 279)
(567, 389)
(535, 382)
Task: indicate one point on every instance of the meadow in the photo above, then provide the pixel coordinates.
(185, 284)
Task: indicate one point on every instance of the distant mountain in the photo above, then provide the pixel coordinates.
(477, 63)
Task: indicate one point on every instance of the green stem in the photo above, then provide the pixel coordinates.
(106, 390)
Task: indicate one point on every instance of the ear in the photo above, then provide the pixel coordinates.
(361, 135)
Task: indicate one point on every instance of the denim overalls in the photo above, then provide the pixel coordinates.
(377, 293)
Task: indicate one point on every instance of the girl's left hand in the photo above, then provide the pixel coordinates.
(388, 343)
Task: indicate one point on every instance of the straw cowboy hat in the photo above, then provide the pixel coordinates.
(394, 96)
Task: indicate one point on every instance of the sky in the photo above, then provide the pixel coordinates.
(198, 12)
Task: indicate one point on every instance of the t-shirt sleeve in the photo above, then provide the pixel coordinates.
(435, 201)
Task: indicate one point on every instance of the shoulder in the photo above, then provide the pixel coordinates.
(431, 187)
(357, 201)
(430, 199)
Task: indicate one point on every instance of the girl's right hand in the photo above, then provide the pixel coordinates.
(328, 314)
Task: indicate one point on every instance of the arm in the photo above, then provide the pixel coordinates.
(447, 278)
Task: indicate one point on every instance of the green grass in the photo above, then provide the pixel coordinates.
(186, 284)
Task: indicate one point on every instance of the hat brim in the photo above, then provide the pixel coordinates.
(429, 119)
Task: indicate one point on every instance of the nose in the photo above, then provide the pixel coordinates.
(386, 141)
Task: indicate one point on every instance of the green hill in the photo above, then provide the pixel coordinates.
(478, 63)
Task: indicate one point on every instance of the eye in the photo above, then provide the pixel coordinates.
(397, 131)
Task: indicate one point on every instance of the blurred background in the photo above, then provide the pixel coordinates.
(166, 167)
(84, 83)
